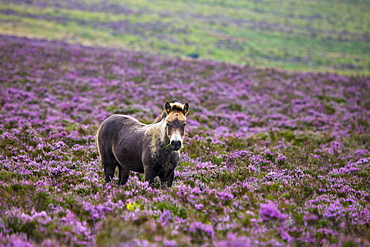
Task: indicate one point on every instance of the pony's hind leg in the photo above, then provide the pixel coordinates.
(123, 175)
(109, 170)
(109, 164)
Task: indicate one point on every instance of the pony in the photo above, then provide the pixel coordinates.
(151, 149)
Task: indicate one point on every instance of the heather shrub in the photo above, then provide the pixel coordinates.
(271, 158)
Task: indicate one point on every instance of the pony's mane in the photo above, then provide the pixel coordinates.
(160, 117)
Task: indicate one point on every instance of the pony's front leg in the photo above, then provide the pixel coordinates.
(149, 174)
(148, 166)
(167, 181)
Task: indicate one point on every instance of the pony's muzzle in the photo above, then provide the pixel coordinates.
(175, 145)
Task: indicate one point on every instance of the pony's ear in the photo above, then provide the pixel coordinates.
(167, 107)
(185, 110)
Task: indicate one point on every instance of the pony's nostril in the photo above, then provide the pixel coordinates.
(176, 145)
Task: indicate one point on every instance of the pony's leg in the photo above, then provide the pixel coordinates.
(164, 183)
(169, 180)
(109, 164)
(123, 175)
(149, 175)
(166, 180)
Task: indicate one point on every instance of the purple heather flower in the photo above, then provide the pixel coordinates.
(361, 152)
(270, 211)
(165, 216)
(233, 240)
(198, 226)
(224, 196)
(310, 217)
(281, 158)
(334, 210)
(169, 243)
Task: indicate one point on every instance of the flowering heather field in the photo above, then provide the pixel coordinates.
(271, 158)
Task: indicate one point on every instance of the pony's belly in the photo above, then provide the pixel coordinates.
(141, 170)
(130, 160)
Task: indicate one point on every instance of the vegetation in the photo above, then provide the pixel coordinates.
(277, 148)
(297, 35)
(271, 158)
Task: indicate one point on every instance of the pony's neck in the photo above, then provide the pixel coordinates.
(159, 132)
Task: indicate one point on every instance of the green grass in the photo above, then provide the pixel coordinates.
(295, 35)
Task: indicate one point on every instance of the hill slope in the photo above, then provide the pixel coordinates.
(297, 35)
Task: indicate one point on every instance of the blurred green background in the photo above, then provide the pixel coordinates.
(297, 35)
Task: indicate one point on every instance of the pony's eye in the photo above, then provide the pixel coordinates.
(184, 124)
(168, 124)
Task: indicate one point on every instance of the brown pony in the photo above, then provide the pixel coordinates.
(150, 149)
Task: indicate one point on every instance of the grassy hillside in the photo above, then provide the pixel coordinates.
(271, 158)
(298, 35)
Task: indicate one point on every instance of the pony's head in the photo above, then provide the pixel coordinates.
(175, 123)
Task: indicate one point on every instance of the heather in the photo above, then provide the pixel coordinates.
(298, 35)
(271, 158)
